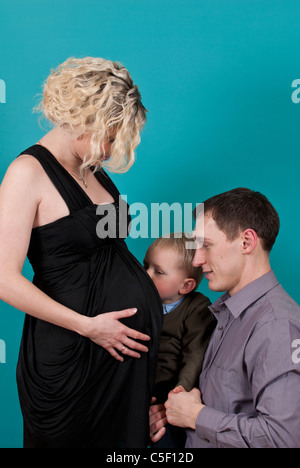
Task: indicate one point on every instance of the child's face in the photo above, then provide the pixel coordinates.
(163, 266)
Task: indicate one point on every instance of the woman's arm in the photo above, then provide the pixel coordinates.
(20, 196)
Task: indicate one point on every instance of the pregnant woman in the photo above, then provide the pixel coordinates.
(93, 316)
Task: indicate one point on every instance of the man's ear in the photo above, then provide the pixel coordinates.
(249, 239)
(187, 286)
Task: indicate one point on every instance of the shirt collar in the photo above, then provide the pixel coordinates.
(168, 307)
(246, 296)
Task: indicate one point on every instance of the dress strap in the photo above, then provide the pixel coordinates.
(74, 196)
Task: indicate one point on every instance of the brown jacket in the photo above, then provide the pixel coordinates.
(184, 339)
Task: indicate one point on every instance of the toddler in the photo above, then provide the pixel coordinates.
(188, 323)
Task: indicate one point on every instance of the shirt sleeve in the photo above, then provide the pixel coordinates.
(275, 380)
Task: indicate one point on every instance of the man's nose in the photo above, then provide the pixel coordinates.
(198, 259)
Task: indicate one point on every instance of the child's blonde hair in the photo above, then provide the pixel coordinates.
(178, 242)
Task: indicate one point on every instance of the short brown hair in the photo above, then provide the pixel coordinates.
(242, 208)
(177, 242)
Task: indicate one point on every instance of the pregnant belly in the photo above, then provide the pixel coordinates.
(112, 280)
(121, 283)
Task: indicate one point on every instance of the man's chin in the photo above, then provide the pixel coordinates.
(215, 287)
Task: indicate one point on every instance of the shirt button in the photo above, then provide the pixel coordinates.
(220, 327)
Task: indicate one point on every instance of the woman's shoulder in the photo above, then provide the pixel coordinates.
(25, 161)
(20, 191)
(24, 175)
(24, 166)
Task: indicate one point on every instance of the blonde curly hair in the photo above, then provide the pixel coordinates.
(96, 98)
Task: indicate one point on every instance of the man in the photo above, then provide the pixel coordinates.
(250, 377)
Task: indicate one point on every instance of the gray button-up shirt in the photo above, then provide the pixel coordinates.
(250, 380)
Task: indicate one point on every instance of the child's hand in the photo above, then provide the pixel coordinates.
(157, 421)
(178, 389)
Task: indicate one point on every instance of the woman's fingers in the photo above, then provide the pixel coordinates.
(114, 354)
(117, 338)
(131, 353)
(136, 335)
(128, 343)
(126, 351)
(123, 313)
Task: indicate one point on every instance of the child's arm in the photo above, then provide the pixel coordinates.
(199, 325)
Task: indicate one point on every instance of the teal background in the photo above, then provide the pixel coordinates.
(216, 78)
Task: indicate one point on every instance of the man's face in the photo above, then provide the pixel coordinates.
(221, 260)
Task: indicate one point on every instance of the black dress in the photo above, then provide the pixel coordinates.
(72, 392)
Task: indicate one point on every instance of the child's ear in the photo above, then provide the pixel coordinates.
(187, 286)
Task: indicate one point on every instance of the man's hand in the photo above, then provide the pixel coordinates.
(183, 408)
(158, 420)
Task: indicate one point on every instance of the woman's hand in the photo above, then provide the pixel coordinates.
(105, 330)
